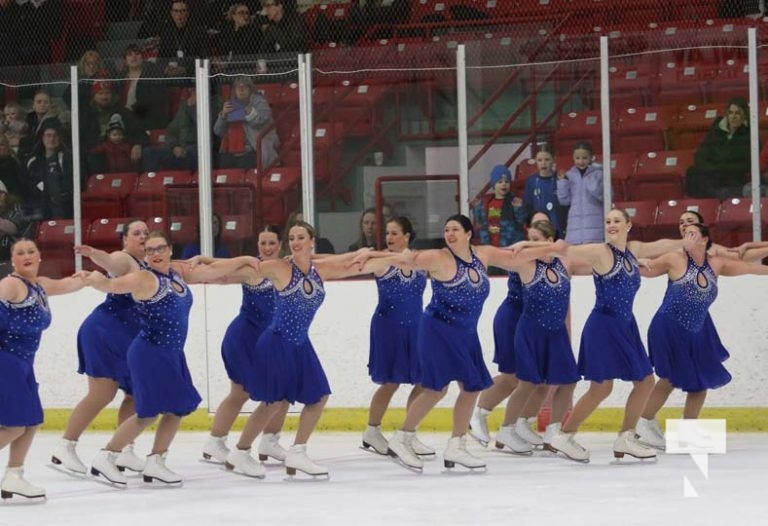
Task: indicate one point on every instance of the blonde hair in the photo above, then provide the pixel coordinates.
(88, 55)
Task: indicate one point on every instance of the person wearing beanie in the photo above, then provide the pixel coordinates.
(499, 215)
(115, 151)
(96, 118)
(721, 164)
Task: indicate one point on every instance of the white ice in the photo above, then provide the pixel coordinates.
(368, 489)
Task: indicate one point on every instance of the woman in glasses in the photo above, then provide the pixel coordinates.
(162, 385)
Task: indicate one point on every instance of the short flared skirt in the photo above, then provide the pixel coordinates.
(102, 348)
(19, 399)
(448, 353)
(284, 370)
(504, 326)
(544, 356)
(611, 349)
(691, 361)
(237, 347)
(393, 356)
(161, 380)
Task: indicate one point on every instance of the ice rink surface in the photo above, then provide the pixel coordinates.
(369, 489)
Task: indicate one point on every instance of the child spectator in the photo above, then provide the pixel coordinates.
(115, 151)
(540, 194)
(581, 188)
(499, 215)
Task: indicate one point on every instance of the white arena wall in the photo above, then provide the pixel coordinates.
(340, 335)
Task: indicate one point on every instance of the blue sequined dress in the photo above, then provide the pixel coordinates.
(21, 326)
(449, 347)
(611, 347)
(543, 351)
(682, 341)
(104, 337)
(161, 379)
(505, 324)
(393, 355)
(256, 310)
(285, 365)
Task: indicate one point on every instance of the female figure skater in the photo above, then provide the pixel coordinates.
(504, 325)
(285, 366)
(257, 308)
(24, 315)
(611, 347)
(393, 359)
(102, 344)
(448, 344)
(684, 347)
(161, 381)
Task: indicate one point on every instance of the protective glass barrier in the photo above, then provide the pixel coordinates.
(526, 117)
(384, 109)
(36, 194)
(680, 133)
(256, 157)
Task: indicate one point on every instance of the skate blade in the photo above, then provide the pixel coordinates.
(402, 464)
(480, 440)
(577, 460)
(22, 500)
(61, 469)
(106, 482)
(632, 460)
(374, 451)
(157, 484)
(269, 460)
(299, 476)
(427, 456)
(226, 468)
(460, 470)
(509, 451)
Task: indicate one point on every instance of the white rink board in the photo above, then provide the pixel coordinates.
(340, 335)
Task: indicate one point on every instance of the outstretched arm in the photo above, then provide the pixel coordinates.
(733, 267)
(656, 248)
(55, 287)
(228, 270)
(659, 266)
(116, 263)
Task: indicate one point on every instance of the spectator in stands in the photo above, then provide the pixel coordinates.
(219, 250)
(179, 152)
(145, 98)
(241, 38)
(89, 67)
(42, 111)
(114, 153)
(721, 164)
(14, 124)
(581, 188)
(286, 31)
(181, 41)
(242, 120)
(94, 120)
(9, 167)
(13, 225)
(540, 194)
(47, 176)
(499, 215)
(366, 237)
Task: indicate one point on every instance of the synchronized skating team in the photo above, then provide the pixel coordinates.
(134, 342)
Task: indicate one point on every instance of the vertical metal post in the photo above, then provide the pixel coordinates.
(461, 126)
(307, 139)
(605, 118)
(76, 168)
(204, 127)
(754, 137)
